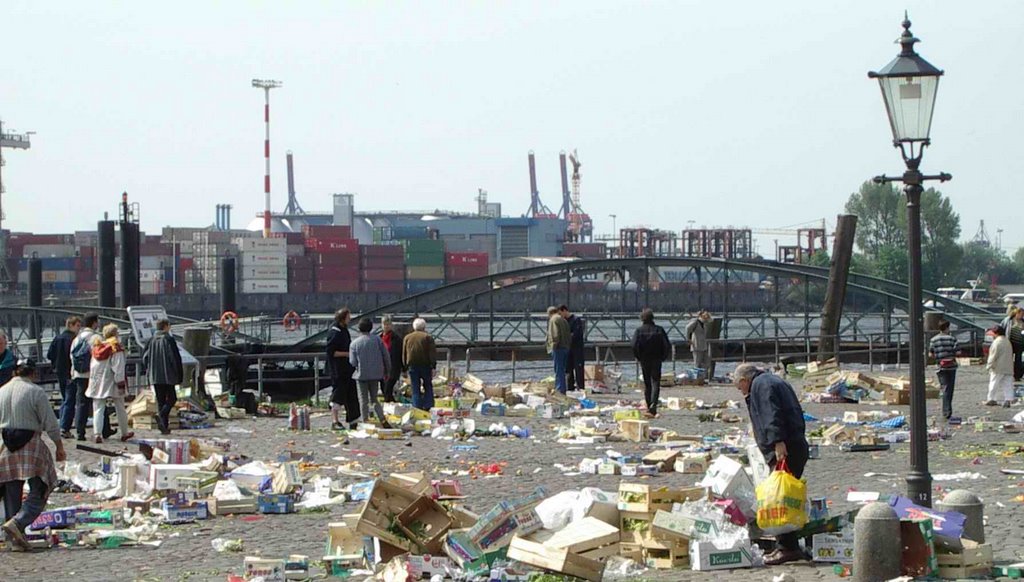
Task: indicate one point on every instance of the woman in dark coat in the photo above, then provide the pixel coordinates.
(344, 387)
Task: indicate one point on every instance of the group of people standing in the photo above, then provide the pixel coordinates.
(373, 363)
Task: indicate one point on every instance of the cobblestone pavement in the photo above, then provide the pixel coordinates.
(186, 553)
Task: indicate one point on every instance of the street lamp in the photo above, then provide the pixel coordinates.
(909, 84)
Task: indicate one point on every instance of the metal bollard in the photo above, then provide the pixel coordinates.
(967, 503)
(875, 555)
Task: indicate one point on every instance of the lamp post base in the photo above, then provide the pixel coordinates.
(919, 487)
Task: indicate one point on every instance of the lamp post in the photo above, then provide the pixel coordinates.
(909, 84)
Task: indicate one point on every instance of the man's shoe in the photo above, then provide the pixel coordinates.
(337, 426)
(15, 536)
(80, 437)
(783, 557)
(65, 434)
(991, 403)
(127, 436)
(1006, 405)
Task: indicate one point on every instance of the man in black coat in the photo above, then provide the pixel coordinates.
(651, 347)
(59, 355)
(779, 429)
(163, 363)
(577, 348)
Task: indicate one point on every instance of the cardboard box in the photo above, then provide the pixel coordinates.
(693, 463)
(242, 506)
(287, 478)
(276, 503)
(706, 556)
(268, 570)
(185, 513)
(593, 372)
(918, 538)
(55, 519)
(833, 547)
(667, 558)
(726, 478)
(164, 477)
(384, 504)
(556, 560)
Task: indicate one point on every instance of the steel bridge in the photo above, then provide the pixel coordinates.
(754, 300)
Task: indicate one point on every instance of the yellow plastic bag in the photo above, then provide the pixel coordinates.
(781, 502)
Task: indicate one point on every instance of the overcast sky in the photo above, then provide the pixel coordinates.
(752, 113)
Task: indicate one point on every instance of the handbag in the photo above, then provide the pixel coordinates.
(15, 439)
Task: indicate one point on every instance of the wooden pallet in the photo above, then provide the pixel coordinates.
(561, 561)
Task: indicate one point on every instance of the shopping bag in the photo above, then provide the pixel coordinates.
(781, 502)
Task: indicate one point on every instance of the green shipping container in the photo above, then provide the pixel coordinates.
(424, 260)
(423, 246)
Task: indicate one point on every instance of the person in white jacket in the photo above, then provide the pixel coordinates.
(1000, 369)
(107, 382)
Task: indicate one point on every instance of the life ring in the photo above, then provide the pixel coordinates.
(229, 322)
(291, 321)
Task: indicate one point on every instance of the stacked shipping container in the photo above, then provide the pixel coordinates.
(424, 265)
(263, 266)
(335, 258)
(383, 269)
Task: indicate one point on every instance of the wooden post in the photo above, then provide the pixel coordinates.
(839, 271)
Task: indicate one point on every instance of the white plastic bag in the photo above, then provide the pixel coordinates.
(555, 512)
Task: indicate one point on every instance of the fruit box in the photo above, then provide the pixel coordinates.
(425, 522)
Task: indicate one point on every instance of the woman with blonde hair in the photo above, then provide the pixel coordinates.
(107, 382)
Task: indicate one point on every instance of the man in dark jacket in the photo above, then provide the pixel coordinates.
(393, 342)
(577, 348)
(344, 392)
(163, 360)
(651, 347)
(59, 355)
(778, 422)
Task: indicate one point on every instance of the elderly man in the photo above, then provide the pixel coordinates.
(778, 423)
(25, 414)
(393, 342)
(419, 356)
(163, 361)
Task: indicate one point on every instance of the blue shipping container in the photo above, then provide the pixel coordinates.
(422, 285)
(51, 264)
(62, 287)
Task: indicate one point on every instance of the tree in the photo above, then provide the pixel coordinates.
(882, 233)
(880, 209)
(989, 264)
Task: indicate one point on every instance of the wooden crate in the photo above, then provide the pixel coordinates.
(637, 497)
(417, 483)
(637, 431)
(561, 561)
(379, 514)
(667, 558)
(426, 523)
(634, 527)
(974, 560)
(584, 536)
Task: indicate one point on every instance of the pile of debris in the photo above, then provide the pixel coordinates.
(825, 383)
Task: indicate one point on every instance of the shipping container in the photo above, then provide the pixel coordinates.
(383, 287)
(155, 262)
(156, 248)
(382, 251)
(151, 275)
(45, 251)
(350, 286)
(61, 287)
(261, 259)
(415, 286)
(382, 263)
(585, 250)
(88, 286)
(300, 286)
(409, 232)
(423, 247)
(295, 250)
(463, 272)
(384, 275)
(453, 259)
(424, 260)
(330, 245)
(54, 264)
(326, 231)
(152, 287)
(337, 259)
(264, 286)
(25, 238)
(291, 238)
(335, 273)
(424, 272)
(86, 251)
(262, 245)
(50, 277)
(301, 275)
(257, 273)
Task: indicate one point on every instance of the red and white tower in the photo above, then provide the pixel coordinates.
(266, 85)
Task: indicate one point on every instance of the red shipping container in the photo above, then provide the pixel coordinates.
(86, 252)
(88, 286)
(300, 286)
(383, 287)
(332, 273)
(337, 286)
(292, 238)
(326, 231)
(384, 274)
(382, 251)
(329, 245)
(155, 249)
(466, 259)
(300, 275)
(382, 262)
(303, 261)
(336, 259)
(461, 273)
(185, 264)
(24, 238)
